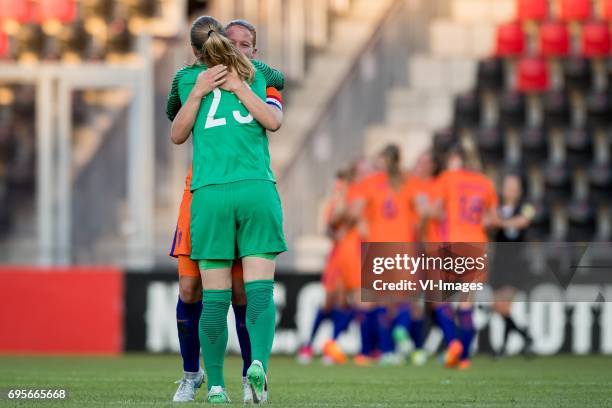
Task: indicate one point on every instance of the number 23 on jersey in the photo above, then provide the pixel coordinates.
(212, 121)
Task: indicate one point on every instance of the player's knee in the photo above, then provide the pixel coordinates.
(190, 290)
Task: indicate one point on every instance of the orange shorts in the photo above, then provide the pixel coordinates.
(332, 274)
(349, 260)
(181, 244)
(189, 267)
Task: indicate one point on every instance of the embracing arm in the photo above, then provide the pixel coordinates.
(185, 118)
(183, 122)
(268, 116)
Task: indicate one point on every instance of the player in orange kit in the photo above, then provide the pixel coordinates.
(387, 217)
(466, 205)
(419, 192)
(335, 307)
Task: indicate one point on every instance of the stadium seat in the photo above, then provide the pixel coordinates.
(532, 10)
(556, 107)
(73, 40)
(532, 75)
(578, 74)
(557, 178)
(20, 11)
(554, 39)
(467, 110)
(4, 45)
(102, 9)
(575, 10)
(512, 109)
(606, 10)
(29, 41)
(581, 216)
(598, 108)
(534, 145)
(64, 11)
(604, 232)
(490, 143)
(595, 40)
(600, 175)
(490, 74)
(119, 39)
(579, 146)
(510, 40)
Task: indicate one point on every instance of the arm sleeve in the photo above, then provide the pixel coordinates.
(273, 77)
(173, 103)
(274, 98)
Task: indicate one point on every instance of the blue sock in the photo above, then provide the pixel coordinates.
(243, 337)
(402, 317)
(445, 319)
(372, 327)
(417, 332)
(466, 331)
(319, 318)
(364, 331)
(385, 339)
(187, 323)
(341, 319)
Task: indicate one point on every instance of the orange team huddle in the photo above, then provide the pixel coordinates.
(385, 204)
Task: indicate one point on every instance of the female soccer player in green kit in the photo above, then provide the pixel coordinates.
(236, 209)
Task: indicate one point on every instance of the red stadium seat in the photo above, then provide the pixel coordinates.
(532, 75)
(554, 39)
(595, 39)
(22, 11)
(575, 10)
(62, 10)
(4, 45)
(532, 10)
(510, 40)
(606, 10)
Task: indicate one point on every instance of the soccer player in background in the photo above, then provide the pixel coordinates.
(335, 307)
(465, 204)
(386, 217)
(419, 195)
(189, 306)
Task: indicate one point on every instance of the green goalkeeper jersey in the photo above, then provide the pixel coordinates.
(273, 78)
(228, 143)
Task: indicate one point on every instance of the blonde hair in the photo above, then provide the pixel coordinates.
(214, 48)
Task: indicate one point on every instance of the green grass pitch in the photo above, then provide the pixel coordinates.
(145, 380)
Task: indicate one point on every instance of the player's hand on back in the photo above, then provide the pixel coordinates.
(209, 80)
(232, 82)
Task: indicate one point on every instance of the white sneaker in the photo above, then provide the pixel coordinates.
(187, 387)
(247, 393)
(258, 382)
(419, 357)
(391, 359)
(218, 395)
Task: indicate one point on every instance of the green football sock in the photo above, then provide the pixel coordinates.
(260, 318)
(213, 333)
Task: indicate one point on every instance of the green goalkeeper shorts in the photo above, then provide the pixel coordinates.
(236, 220)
